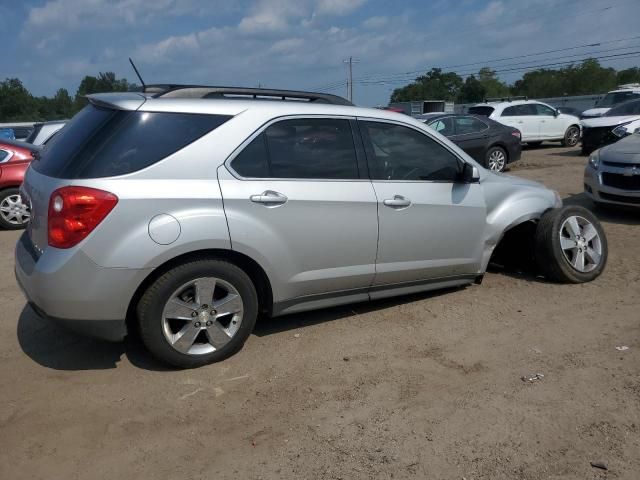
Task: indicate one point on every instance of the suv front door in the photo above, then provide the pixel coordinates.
(298, 200)
(431, 225)
(550, 125)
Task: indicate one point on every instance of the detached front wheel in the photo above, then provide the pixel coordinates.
(571, 246)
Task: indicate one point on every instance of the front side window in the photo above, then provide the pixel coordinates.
(544, 110)
(467, 125)
(312, 148)
(402, 153)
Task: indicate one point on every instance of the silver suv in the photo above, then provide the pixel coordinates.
(185, 213)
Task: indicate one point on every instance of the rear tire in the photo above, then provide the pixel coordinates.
(571, 136)
(14, 215)
(496, 159)
(183, 318)
(570, 245)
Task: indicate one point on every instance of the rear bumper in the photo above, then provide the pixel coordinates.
(68, 288)
(515, 152)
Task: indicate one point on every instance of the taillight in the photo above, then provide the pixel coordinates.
(74, 212)
(516, 133)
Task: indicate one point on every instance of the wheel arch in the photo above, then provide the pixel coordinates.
(500, 144)
(252, 268)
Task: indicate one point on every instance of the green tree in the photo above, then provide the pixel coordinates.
(493, 86)
(434, 85)
(472, 91)
(104, 82)
(16, 103)
(630, 75)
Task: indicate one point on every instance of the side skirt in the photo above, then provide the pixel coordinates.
(333, 299)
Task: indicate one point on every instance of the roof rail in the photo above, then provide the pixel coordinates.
(203, 91)
(506, 99)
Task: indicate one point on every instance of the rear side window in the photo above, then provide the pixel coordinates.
(314, 148)
(101, 142)
(466, 125)
(484, 111)
(3, 155)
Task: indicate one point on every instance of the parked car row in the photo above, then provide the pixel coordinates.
(490, 143)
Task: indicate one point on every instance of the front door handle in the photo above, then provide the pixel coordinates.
(269, 198)
(398, 201)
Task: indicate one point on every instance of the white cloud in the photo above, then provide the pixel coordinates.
(338, 7)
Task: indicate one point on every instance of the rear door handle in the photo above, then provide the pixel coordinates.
(269, 198)
(398, 201)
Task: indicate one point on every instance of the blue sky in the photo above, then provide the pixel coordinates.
(300, 43)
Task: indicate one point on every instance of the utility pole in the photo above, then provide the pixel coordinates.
(351, 61)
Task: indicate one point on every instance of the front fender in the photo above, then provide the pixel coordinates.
(510, 204)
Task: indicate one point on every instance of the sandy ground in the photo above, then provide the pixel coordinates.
(426, 386)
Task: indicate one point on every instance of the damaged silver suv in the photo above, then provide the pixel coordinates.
(186, 212)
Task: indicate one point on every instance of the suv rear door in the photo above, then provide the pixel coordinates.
(525, 118)
(431, 225)
(471, 135)
(298, 199)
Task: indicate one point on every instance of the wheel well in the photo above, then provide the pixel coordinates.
(251, 267)
(503, 147)
(516, 247)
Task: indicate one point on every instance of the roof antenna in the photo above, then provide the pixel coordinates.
(144, 85)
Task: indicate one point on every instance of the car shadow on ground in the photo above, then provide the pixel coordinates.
(53, 347)
(568, 153)
(611, 214)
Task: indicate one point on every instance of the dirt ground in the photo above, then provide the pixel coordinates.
(426, 386)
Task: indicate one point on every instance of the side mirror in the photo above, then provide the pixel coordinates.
(556, 113)
(470, 174)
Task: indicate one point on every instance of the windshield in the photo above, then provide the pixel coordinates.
(611, 99)
(627, 108)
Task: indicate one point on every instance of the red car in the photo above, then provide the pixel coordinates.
(15, 157)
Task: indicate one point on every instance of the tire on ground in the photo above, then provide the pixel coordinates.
(151, 305)
(569, 140)
(550, 259)
(490, 152)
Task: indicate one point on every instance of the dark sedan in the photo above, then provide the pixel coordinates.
(490, 143)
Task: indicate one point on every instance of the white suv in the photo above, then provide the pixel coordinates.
(624, 93)
(536, 121)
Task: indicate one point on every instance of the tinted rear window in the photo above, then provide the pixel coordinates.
(484, 111)
(101, 142)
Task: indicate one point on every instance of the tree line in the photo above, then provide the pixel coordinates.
(589, 77)
(585, 78)
(18, 104)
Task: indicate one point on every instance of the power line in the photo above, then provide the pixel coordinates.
(604, 58)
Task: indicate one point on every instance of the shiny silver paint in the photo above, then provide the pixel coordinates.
(625, 154)
(319, 242)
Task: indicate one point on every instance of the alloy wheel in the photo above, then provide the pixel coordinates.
(13, 211)
(580, 244)
(497, 161)
(202, 316)
(573, 136)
